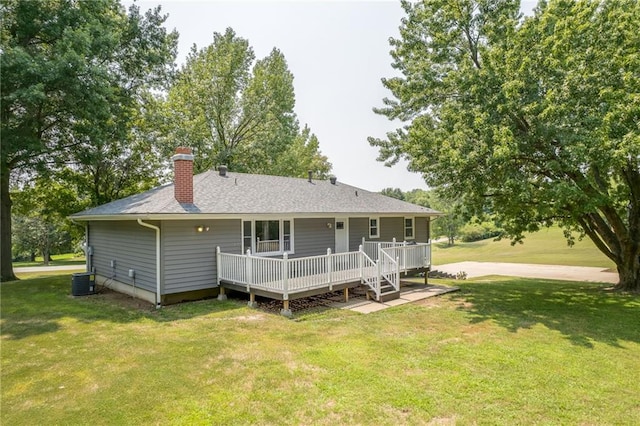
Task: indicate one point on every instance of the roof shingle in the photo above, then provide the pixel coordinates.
(240, 193)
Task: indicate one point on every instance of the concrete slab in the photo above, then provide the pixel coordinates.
(408, 294)
(396, 302)
(412, 297)
(369, 308)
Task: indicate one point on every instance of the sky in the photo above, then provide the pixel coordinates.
(337, 52)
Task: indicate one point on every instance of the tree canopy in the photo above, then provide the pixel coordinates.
(534, 119)
(74, 75)
(233, 110)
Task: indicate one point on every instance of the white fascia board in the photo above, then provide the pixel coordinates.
(212, 216)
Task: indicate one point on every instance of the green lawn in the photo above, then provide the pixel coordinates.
(501, 351)
(547, 246)
(57, 260)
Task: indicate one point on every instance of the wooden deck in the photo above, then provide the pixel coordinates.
(285, 279)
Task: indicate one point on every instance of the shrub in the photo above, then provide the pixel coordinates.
(479, 231)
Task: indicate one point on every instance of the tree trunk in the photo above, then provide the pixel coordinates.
(32, 257)
(45, 249)
(6, 265)
(629, 268)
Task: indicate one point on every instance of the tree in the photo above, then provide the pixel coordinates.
(73, 73)
(302, 155)
(235, 112)
(40, 218)
(393, 193)
(535, 120)
(420, 197)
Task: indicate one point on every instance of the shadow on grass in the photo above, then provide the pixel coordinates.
(583, 312)
(35, 306)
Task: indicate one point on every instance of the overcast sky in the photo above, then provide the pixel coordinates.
(337, 51)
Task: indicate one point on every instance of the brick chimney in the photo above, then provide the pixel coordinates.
(183, 175)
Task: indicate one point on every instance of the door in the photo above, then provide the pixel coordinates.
(342, 234)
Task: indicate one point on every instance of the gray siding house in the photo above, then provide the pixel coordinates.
(193, 237)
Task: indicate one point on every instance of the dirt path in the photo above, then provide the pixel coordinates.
(554, 272)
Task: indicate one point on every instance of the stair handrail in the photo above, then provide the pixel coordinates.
(366, 277)
(389, 268)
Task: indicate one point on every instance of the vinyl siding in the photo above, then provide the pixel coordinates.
(422, 229)
(312, 236)
(390, 228)
(130, 245)
(190, 256)
(358, 228)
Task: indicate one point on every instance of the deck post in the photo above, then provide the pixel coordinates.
(252, 301)
(249, 268)
(360, 263)
(329, 269)
(285, 311)
(218, 266)
(379, 281)
(404, 258)
(285, 277)
(398, 272)
(222, 295)
(346, 294)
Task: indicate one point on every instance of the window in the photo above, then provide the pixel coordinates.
(267, 236)
(408, 228)
(374, 227)
(246, 236)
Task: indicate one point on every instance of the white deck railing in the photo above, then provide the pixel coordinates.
(411, 255)
(285, 276)
(388, 268)
(372, 280)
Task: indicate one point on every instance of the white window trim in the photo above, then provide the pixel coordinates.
(377, 219)
(413, 228)
(281, 236)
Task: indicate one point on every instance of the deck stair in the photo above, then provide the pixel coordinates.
(387, 293)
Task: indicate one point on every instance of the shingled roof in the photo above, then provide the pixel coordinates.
(251, 194)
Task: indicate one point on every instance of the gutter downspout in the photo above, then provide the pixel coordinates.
(148, 225)
(88, 253)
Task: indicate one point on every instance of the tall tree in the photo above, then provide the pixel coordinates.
(233, 111)
(40, 221)
(300, 156)
(393, 193)
(535, 120)
(72, 73)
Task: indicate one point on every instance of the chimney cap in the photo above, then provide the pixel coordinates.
(333, 180)
(183, 153)
(222, 170)
(310, 176)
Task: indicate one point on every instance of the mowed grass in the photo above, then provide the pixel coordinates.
(547, 247)
(500, 351)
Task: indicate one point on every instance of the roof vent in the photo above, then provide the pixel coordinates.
(222, 170)
(310, 176)
(333, 180)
